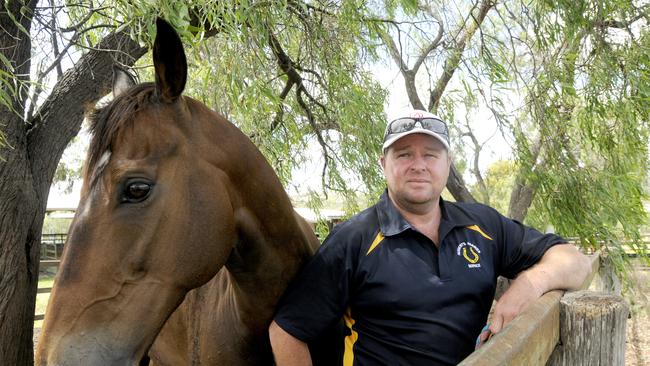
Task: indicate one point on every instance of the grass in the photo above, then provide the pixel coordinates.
(41, 299)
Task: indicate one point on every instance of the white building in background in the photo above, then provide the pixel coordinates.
(332, 217)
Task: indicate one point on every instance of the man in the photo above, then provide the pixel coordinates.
(414, 276)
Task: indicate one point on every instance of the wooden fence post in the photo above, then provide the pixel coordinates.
(592, 330)
(608, 280)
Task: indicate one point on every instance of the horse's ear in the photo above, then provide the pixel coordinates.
(122, 80)
(169, 62)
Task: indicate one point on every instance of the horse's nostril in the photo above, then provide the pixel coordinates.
(145, 361)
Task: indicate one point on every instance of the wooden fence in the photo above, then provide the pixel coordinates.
(52, 246)
(534, 337)
(45, 263)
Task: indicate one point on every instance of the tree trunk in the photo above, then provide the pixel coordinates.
(520, 199)
(20, 228)
(18, 199)
(608, 281)
(28, 163)
(457, 188)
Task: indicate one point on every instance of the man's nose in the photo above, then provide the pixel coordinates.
(419, 163)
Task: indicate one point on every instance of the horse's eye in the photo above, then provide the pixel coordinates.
(136, 192)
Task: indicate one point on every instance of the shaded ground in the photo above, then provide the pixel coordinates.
(637, 352)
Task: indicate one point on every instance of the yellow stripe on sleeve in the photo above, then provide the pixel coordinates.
(375, 242)
(348, 356)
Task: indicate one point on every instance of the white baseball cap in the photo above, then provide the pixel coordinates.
(415, 121)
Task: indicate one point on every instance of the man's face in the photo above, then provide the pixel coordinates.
(416, 168)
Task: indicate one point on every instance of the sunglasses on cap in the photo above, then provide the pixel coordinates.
(407, 124)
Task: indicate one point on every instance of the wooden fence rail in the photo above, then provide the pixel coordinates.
(46, 263)
(531, 337)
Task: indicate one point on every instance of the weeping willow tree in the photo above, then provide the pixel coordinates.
(589, 159)
(565, 83)
(581, 135)
(289, 74)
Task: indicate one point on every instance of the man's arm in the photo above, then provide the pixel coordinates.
(287, 349)
(561, 267)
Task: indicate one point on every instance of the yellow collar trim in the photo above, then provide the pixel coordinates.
(378, 239)
(478, 230)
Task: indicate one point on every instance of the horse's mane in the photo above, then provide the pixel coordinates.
(107, 121)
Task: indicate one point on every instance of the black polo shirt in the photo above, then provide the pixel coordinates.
(404, 301)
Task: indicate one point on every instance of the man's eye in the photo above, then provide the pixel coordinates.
(136, 192)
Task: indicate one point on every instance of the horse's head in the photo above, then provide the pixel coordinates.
(158, 216)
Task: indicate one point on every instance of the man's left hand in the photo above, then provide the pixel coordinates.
(561, 267)
(521, 293)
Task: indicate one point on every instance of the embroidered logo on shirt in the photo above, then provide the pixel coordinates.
(471, 253)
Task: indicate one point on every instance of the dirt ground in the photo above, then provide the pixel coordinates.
(637, 352)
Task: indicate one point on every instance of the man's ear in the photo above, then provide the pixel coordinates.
(382, 162)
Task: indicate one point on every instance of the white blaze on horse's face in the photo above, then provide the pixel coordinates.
(103, 161)
(99, 168)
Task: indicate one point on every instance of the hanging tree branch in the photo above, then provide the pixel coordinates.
(475, 168)
(287, 65)
(409, 73)
(451, 64)
(319, 137)
(455, 183)
(279, 115)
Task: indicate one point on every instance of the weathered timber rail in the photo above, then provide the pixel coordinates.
(531, 338)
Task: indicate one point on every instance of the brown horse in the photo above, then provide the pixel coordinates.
(179, 213)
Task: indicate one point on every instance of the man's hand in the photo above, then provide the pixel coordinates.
(562, 267)
(521, 293)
